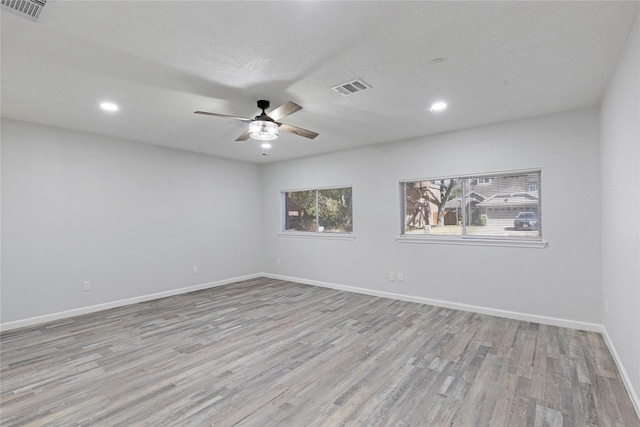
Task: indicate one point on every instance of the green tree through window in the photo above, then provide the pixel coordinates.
(323, 210)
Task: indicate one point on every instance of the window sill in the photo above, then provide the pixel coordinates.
(325, 236)
(472, 241)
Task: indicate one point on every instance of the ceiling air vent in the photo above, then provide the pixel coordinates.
(30, 9)
(349, 88)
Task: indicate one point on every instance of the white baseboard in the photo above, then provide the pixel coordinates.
(553, 321)
(120, 303)
(633, 394)
(565, 323)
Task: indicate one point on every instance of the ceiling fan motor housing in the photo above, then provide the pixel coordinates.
(263, 105)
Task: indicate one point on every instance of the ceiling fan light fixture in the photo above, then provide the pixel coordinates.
(263, 130)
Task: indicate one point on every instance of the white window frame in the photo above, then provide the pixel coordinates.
(311, 234)
(464, 239)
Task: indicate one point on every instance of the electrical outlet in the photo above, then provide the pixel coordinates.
(400, 277)
(195, 269)
(386, 275)
(392, 276)
(86, 286)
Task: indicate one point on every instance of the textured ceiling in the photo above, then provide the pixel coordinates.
(163, 60)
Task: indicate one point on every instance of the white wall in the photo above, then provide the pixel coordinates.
(131, 218)
(620, 166)
(561, 281)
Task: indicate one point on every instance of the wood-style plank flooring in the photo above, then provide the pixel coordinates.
(265, 352)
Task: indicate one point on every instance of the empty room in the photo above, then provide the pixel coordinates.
(320, 213)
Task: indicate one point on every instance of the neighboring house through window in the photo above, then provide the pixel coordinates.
(505, 205)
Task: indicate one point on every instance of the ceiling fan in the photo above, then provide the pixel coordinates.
(265, 127)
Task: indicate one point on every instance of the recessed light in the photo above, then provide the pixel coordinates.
(266, 145)
(109, 106)
(438, 106)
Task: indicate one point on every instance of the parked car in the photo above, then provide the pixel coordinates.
(526, 221)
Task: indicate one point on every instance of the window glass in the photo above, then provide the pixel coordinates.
(301, 211)
(319, 211)
(507, 207)
(335, 211)
(501, 205)
(433, 207)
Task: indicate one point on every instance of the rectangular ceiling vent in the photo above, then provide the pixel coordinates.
(349, 88)
(30, 9)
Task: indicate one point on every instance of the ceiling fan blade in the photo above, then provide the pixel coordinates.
(298, 131)
(244, 119)
(244, 136)
(284, 110)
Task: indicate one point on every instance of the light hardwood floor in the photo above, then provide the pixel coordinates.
(265, 352)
